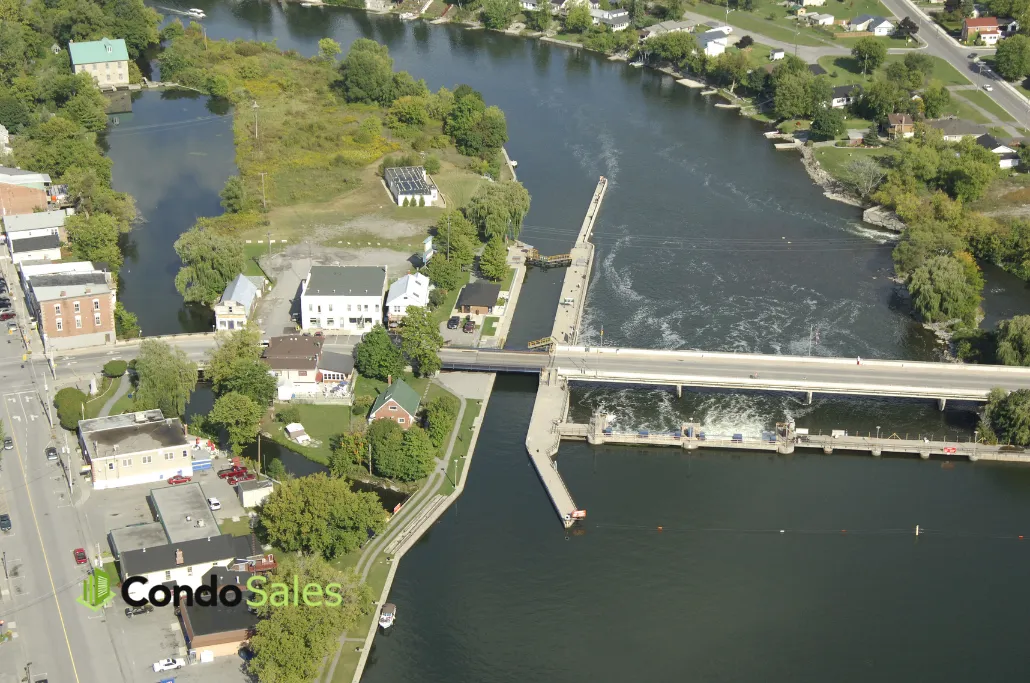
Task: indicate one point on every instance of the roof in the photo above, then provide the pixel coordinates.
(864, 18)
(209, 620)
(241, 290)
(254, 484)
(174, 505)
(408, 180)
(295, 352)
(479, 293)
(136, 537)
(346, 281)
(981, 22)
(160, 558)
(412, 289)
(53, 286)
(400, 392)
(856, 134)
(17, 176)
(35, 243)
(39, 220)
(103, 435)
(98, 51)
(336, 362)
(816, 70)
(845, 90)
(990, 142)
(899, 119)
(953, 126)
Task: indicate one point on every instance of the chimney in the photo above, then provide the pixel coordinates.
(389, 380)
(178, 557)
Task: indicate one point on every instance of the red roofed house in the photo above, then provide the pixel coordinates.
(986, 27)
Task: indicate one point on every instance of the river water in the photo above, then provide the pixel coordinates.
(707, 239)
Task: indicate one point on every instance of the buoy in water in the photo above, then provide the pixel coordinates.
(659, 528)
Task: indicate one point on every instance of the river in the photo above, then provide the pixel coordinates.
(707, 239)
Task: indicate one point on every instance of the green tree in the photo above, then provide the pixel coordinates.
(398, 454)
(906, 28)
(234, 195)
(320, 515)
(239, 415)
(792, 99)
(70, 404)
(210, 261)
(498, 14)
(114, 368)
(881, 98)
(165, 378)
(494, 261)
(385, 438)
(1012, 59)
(443, 273)
(730, 68)
(578, 19)
(366, 73)
(828, 123)
(440, 415)
(431, 163)
(230, 348)
(95, 238)
(917, 61)
(126, 324)
(287, 414)
(870, 54)
(328, 49)
(376, 357)
(252, 379)
(941, 291)
(935, 100)
(541, 18)
(672, 47)
(421, 341)
(505, 203)
(370, 130)
(1014, 341)
(277, 470)
(1007, 417)
(871, 138)
(87, 108)
(348, 449)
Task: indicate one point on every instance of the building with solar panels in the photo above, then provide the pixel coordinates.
(411, 184)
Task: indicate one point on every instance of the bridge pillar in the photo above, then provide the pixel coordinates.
(808, 398)
(827, 450)
(973, 457)
(925, 455)
(679, 391)
(875, 450)
(941, 402)
(785, 448)
(690, 444)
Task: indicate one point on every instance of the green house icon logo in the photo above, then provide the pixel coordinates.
(96, 590)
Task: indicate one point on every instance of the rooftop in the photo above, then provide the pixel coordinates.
(953, 126)
(98, 51)
(255, 484)
(39, 220)
(346, 281)
(479, 293)
(241, 290)
(222, 618)
(136, 537)
(54, 286)
(899, 119)
(175, 503)
(404, 395)
(214, 548)
(18, 176)
(408, 180)
(130, 433)
(294, 352)
(35, 243)
(846, 90)
(981, 22)
(412, 288)
(336, 362)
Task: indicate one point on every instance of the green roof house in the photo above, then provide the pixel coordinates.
(398, 403)
(106, 60)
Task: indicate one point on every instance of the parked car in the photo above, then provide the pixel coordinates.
(233, 471)
(988, 87)
(8, 443)
(143, 609)
(469, 327)
(169, 664)
(179, 479)
(6, 315)
(5, 522)
(51, 453)
(214, 504)
(246, 476)
(80, 556)
(453, 323)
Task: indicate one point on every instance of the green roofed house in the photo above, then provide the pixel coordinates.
(106, 60)
(398, 403)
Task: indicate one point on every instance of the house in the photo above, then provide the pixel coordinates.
(855, 137)
(410, 290)
(106, 60)
(253, 493)
(816, 70)
(220, 630)
(16, 176)
(985, 27)
(181, 564)
(20, 199)
(1007, 156)
(820, 19)
(236, 302)
(295, 432)
(334, 368)
(725, 29)
(294, 362)
(529, 5)
(813, 3)
(615, 19)
(398, 403)
(73, 303)
(342, 297)
(844, 95)
(42, 248)
(411, 185)
(713, 43)
(870, 23)
(953, 130)
(36, 224)
(182, 511)
(665, 27)
(478, 298)
(1008, 26)
(777, 55)
(900, 126)
(134, 448)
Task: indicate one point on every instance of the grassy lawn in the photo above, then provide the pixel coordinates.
(964, 110)
(321, 423)
(490, 326)
(106, 389)
(122, 405)
(844, 70)
(444, 311)
(461, 446)
(984, 101)
(508, 279)
(781, 27)
(836, 159)
(240, 528)
(1012, 191)
(435, 9)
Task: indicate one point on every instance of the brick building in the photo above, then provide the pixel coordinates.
(73, 304)
(398, 403)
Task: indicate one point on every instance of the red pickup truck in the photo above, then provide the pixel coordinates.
(234, 471)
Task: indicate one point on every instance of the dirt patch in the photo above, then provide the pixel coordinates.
(386, 228)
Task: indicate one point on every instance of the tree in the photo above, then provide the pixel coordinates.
(864, 175)
(494, 261)
(1014, 341)
(165, 378)
(421, 341)
(1012, 59)
(941, 291)
(498, 14)
(384, 438)
(745, 42)
(126, 324)
(291, 640)
(287, 415)
(792, 98)
(87, 109)
(114, 368)
(870, 54)
(366, 73)
(917, 61)
(505, 203)
(906, 28)
(935, 100)
(398, 454)
(94, 237)
(348, 449)
(1007, 416)
(871, 138)
(456, 237)
(277, 470)
(408, 111)
(234, 195)
(328, 49)
(730, 68)
(828, 123)
(540, 18)
(672, 47)
(210, 261)
(320, 515)
(252, 379)
(231, 347)
(376, 357)
(578, 18)
(882, 97)
(70, 404)
(440, 415)
(444, 273)
(239, 415)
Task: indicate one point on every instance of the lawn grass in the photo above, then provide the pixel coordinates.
(998, 132)
(489, 326)
(321, 423)
(835, 160)
(964, 110)
(240, 528)
(459, 455)
(509, 278)
(443, 312)
(779, 28)
(435, 10)
(122, 405)
(984, 101)
(844, 69)
(107, 388)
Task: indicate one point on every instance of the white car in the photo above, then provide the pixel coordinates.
(169, 664)
(214, 504)
(988, 87)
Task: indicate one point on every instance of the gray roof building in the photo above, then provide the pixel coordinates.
(295, 352)
(62, 285)
(198, 551)
(479, 293)
(952, 127)
(241, 290)
(40, 220)
(336, 362)
(345, 280)
(104, 437)
(27, 244)
(17, 176)
(411, 180)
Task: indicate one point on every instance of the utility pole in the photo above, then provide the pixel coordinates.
(797, 27)
(269, 233)
(264, 201)
(370, 458)
(255, 108)
(448, 237)
(259, 452)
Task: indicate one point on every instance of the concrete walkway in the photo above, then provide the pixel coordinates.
(123, 388)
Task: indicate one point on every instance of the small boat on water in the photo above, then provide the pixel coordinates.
(195, 13)
(387, 615)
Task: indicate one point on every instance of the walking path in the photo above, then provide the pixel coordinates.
(123, 388)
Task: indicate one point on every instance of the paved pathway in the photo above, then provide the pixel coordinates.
(123, 388)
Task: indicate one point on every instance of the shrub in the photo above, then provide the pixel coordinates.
(70, 404)
(431, 164)
(437, 297)
(288, 415)
(115, 368)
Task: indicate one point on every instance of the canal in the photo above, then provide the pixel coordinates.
(708, 239)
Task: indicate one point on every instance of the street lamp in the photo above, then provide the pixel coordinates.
(877, 431)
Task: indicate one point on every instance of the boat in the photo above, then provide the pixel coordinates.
(195, 13)
(387, 615)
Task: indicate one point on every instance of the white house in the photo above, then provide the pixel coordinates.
(410, 290)
(713, 43)
(237, 300)
(615, 19)
(820, 19)
(36, 224)
(29, 249)
(777, 55)
(293, 359)
(843, 95)
(725, 29)
(342, 297)
(813, 3)
(666, 27)
(184, 564)
(1007, 156)
(106, 60)
(878, 26)
(411, 184)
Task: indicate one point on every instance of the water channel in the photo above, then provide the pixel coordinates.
(708, 239)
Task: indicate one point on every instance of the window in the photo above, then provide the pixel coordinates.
(78, 322)
(330, 322)
(366, 307)
(168, 575)
(60, 326)
(185, 454)
(303, 373)
(400, 420)
(76, 305)
(393, 407)
(96, 304)
(147, 459)
(330, 308)
(127, 462)
(319, 309)
(311, 307)
(57, 309)
(110, 465)
(189, 571)
(96, 320)
(348, 308)
(169, 456)
(377, 308)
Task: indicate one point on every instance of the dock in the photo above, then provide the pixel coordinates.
(552, 397)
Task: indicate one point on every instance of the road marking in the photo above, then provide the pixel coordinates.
(46, 561)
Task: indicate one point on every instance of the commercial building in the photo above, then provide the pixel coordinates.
(348, 298)
(73, 303)
(253, 493)
(220, 630)
(134, 448)
(33, 249)
(410, 290)
(106, 60)
(398, 403)
(237, 301)
(411, 185)
(478, 298)
(182, 564)
(183, 512)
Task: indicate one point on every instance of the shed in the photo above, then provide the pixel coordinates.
(295, 431)
(253, 493)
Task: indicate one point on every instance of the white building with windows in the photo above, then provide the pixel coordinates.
(411, 184)
(347, 298)
(134, 448)
(615, 19)
(410, 290)
(106, 60)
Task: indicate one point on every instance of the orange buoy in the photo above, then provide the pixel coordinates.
(659, 528)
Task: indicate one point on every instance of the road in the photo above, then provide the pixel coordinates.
(747, 371)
